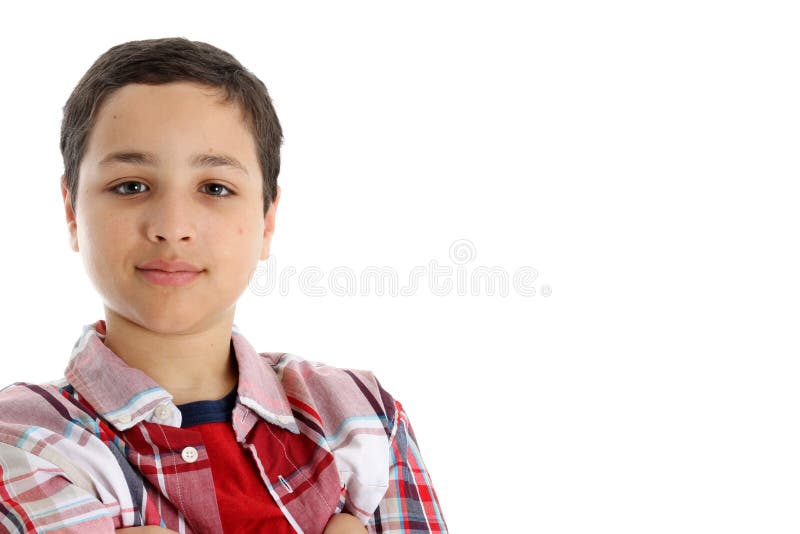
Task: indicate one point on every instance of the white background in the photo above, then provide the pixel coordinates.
(641, 156)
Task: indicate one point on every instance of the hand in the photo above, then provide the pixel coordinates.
(145, 530)
(344, 524)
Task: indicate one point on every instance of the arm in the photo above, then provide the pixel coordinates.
(62, 506)
(36, 495)
(410, 504)
(338, 524)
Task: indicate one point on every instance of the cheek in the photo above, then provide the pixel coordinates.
(104, 246)
(105, 235)
(238, 243)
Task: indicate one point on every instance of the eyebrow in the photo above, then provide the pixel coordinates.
(148, 159)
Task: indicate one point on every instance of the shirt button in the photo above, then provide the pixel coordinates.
(124, 419)
(162, 412)
(189, 454)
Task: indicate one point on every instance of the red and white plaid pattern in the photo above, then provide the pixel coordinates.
(87, 453)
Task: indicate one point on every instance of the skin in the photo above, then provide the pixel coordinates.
(212, 217)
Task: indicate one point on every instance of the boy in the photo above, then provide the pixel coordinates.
(166, 415)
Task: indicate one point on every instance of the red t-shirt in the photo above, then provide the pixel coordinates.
(245, 504)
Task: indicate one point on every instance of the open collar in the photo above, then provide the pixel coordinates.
(125, 396)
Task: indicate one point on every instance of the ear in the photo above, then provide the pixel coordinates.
(269, 224)
(71, 222)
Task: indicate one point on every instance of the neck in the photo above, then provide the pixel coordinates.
(195, 363)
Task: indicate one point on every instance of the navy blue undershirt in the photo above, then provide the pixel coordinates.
(208, 411)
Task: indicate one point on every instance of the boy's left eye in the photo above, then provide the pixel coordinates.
(220, 186)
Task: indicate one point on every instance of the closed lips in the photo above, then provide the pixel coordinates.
(173, 266)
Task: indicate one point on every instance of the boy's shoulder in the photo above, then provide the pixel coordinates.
(293, 367)
(336, 393)
(25, 400)
(28, 409)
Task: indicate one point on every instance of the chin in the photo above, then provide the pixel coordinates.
(165, 320)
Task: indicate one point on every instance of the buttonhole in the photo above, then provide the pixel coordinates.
(285, 484)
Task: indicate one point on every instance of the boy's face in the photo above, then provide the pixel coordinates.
(211, 216)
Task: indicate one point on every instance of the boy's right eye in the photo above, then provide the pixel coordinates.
(116, 188)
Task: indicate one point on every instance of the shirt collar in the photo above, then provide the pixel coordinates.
(124, 395)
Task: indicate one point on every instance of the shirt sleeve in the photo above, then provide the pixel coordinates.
(37, 496)
(410, 504)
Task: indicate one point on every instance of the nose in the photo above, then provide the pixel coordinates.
(171, 218)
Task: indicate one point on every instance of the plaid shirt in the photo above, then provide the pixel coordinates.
(102, 448)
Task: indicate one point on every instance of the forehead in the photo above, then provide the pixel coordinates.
(170, 120)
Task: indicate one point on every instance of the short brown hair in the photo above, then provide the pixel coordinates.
(164, 60)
